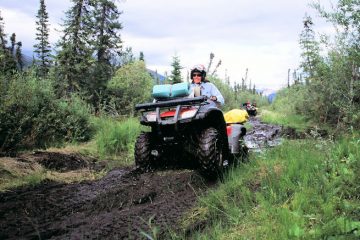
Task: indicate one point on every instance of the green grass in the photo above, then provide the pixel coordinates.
(284, 119)
(303, 189)
(116, 139)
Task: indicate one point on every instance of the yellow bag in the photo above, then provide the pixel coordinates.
(236, 116)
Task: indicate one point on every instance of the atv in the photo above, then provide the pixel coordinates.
(187, 128)
(251, 109)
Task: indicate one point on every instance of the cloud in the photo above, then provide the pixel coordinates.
(256, 34)
(22, 22)
(12, 18)
(259, 35)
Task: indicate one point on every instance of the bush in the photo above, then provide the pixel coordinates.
(31, 116)
(131, 84)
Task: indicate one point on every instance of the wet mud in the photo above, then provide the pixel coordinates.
(124, 204)
(262, 135)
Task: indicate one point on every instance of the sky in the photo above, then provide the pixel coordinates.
(259, 35)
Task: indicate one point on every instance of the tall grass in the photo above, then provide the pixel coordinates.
(116, 137)
(304, 189)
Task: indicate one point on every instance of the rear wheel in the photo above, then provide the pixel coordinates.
(210, 153)
(143, 157)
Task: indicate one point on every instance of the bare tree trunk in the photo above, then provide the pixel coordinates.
(288, 82)
(354, 76)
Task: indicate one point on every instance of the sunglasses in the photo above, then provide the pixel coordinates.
(196, 75)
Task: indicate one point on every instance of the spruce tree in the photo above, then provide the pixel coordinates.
(106, 42)
(141, 56)
(18, 56)
(74, 58)
(106, 29)
(175, 76)
(2, 35)
(12, 44)
(42, 48)
(7, 61)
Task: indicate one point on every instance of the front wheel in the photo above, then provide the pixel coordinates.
(210, 153)
(143, 157)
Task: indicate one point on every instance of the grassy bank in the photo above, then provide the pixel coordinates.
(285, 119)
(303, 189)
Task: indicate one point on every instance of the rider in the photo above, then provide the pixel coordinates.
(208, 89)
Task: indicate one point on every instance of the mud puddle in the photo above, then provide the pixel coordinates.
(124, 204)
(262, 135)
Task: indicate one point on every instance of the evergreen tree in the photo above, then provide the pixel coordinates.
(175, 76)
(7, 61)
(18, 56)
(141, 56)
(74, 58)
(107, 44)
(42, 48)
(13, 43)
(106, 29)
(2, 35)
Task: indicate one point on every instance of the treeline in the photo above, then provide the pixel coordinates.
(50, 100)
(327, 86)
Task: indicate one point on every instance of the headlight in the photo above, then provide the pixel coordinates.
(150, 116)
(188, 113)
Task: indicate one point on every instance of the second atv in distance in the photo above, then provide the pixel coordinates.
(187, 129)
(250, 108)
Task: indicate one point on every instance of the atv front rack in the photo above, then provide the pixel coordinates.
(170, 103)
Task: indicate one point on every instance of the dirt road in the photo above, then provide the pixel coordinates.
(125, 204)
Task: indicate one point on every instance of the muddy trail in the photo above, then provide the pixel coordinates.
(125, 204)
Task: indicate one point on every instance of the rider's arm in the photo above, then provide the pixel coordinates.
(215, 92)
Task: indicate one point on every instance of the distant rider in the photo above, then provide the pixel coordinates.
(200, 86)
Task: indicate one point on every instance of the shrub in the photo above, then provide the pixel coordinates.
(31, 116)
(131, 85)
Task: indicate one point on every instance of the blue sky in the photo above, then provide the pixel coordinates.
(260, 35)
